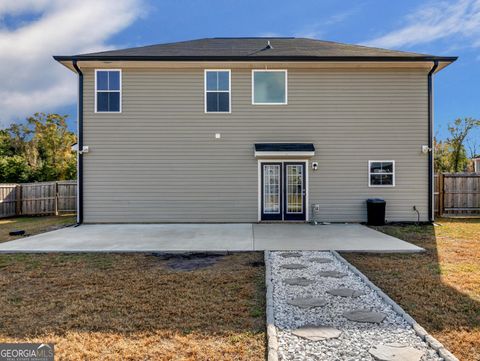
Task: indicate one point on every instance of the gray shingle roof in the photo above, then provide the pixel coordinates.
(254, 49)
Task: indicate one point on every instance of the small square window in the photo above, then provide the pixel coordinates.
(217, 91)
(381, 173)
(108, 91)
(269, 87)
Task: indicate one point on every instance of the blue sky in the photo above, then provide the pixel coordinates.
(434, 27)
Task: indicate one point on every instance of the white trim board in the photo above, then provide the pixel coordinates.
(259, 154)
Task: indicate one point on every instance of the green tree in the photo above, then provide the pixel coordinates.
(50, 147)
(14, 169)
(37, 150)
(443, 151)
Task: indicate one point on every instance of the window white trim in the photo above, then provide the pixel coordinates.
(109, 91)
(270, 70)
(381, 185)
(259, 187)
(229, 91)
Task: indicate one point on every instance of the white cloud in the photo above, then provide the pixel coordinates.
(31, 80)
(455, 20)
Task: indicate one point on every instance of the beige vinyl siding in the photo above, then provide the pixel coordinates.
(159, 161)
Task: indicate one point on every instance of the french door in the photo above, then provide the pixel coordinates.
(283, 191)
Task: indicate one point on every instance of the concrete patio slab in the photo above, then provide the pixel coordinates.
(338, 237)
(209, 237)
(138, 238)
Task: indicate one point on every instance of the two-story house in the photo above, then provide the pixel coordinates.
(254, 129)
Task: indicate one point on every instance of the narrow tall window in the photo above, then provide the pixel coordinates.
(108, 91)
(217, 91)
(269, 87)
(381, 173)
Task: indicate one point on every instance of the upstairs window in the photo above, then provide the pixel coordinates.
(269, 87)
(381, 173)
(108, 91)
(217, 91)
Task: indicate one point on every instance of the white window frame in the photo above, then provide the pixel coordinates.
(109, 91)
(269, 70)
(229, 91)
(370, 174)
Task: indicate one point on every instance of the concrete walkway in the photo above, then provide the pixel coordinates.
(209, 237)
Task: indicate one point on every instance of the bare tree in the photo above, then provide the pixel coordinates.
(473, 147)
(459, 131)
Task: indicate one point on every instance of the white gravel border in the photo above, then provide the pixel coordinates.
(272, 334)
(419, 330)
(272, 341)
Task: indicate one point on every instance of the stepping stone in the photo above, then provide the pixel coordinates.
(298, 281)
(320, 260)
(290, 254)
(345, 292)
(334, 274)
(396, 352)
(365, 316)
(317, 333)
(307, 302)
(293, 266)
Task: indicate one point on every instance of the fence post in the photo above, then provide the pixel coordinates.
(56, 198)
(441, 194)
(18, 200)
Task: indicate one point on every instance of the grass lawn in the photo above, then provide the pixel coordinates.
(439, 288)
(133, 307)
(33, 225)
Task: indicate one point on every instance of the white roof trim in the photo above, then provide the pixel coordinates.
(260, 154)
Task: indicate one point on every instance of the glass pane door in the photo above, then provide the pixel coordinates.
(271, 188)
(295, 191)
(294, 188)
(272, 197)
(283, 191)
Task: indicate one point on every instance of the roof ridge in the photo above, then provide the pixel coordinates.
(252, 37)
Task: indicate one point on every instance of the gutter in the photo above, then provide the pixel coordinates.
(80, 145)
(431, 215)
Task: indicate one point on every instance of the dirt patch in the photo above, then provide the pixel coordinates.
(189, 261)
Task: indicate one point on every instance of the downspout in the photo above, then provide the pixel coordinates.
(80, 146)
(431, 215)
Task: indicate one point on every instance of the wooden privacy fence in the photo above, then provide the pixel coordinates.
(42, 198)
(457, 194)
